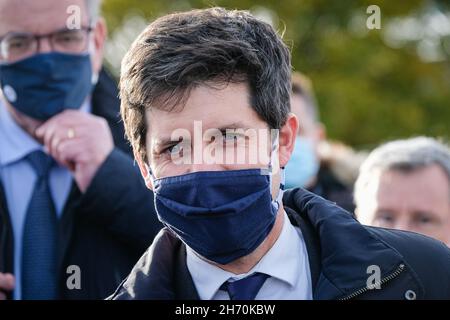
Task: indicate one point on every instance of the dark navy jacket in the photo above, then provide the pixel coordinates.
(340, 251)
(105, 230)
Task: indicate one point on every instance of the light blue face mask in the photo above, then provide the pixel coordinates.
(303, 164)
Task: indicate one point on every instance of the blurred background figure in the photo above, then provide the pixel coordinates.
(405, 184)
(323, 167)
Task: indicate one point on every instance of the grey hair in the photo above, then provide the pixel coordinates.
(404, 155)
(93, 9)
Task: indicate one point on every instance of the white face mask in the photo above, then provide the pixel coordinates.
(303, 164)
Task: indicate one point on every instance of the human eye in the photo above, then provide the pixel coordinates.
(385, 219)
(19, 42)
(423, 218)
(231, 138)
(170, 149)
(176, 148)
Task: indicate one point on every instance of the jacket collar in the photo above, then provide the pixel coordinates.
(346, 248)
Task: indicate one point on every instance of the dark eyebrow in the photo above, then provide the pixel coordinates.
(385, 209)
(165, 142)
(233, 125)
(425, 213)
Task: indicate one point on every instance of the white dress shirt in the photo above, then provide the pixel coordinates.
(286, 263)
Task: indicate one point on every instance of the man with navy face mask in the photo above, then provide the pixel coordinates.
(64, 167)
(197, 88)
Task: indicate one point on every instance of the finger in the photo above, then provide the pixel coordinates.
(3, 280)
(73, 114)
(64, 121)
(63, 153)
(66, 116)
(6, 281)
(47, 125)
(59, 134)
(53, 133)
(71, 151)
(2, 296)
(45, 133)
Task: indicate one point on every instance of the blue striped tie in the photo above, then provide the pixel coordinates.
(40, 235)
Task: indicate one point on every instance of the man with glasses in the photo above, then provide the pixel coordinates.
(66, 230)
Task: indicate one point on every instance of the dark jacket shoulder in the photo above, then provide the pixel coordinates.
(427, 257)
(342, 255)
(408, 262)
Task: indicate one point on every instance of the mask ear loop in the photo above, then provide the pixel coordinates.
(150, 178)
(275, 146)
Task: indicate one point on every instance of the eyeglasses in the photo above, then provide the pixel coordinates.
(15, 46)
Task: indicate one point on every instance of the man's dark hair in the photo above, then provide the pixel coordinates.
(180, 51)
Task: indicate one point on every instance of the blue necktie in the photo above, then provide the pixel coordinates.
(40, 235)
(246, 288)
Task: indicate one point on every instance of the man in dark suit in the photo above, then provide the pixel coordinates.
(74, 214)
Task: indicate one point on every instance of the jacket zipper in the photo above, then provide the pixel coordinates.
(386, 279)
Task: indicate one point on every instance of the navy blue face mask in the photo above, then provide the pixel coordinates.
(45, 84)
(221, 215)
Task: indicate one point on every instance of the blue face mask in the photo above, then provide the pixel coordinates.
(221, 215)
(45, 84)
(303, 164)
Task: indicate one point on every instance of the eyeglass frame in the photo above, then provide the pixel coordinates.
(38, 37)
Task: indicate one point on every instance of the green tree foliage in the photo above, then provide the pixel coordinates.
(370, 88)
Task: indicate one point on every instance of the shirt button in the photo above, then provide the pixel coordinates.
(410, 295)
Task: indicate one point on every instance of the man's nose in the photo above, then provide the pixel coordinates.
(44, 45)
(204, 159)
(402, 224)
(205, 167)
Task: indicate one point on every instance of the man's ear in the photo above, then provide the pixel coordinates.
(321, 131)
(287, 137)
(145, 171)
(357, 213)
(100, 33)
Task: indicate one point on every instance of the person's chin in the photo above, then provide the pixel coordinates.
(27, 123)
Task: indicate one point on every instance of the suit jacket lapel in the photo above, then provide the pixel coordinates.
(184, 284)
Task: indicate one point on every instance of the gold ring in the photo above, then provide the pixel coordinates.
(71, 133)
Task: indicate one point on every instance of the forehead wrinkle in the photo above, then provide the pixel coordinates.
(38, 17)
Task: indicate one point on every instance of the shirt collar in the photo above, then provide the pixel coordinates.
(16, 143)
(287, 248)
